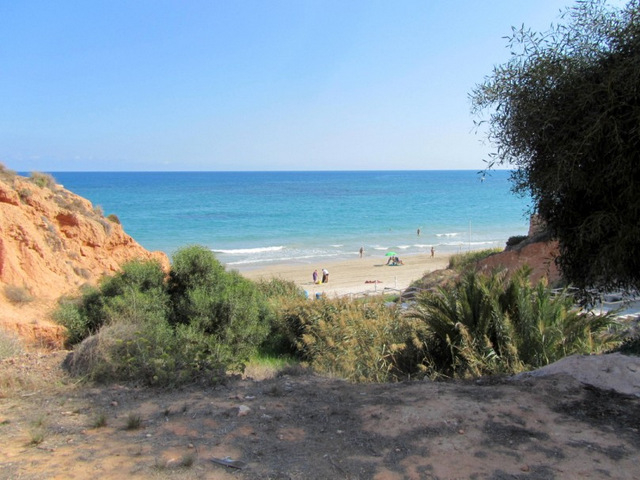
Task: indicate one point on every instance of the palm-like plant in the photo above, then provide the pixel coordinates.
(487, 324)
(550, 327)
(468, 333)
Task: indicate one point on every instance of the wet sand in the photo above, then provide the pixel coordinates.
(357, 276)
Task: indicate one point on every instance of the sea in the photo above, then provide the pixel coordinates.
(256, 219)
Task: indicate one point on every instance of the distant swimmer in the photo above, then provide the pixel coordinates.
(418, 231)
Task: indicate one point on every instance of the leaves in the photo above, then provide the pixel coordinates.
(564, 111)
(490, 324)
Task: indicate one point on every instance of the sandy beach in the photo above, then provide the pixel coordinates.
(357, 276)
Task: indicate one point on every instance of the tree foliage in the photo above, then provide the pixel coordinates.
(565, 112)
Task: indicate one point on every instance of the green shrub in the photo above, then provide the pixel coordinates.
(515, 240)
(153, 354)
(134, 422)
(112, 217)
(360, 341)
(136, 294)
(100, 421)
(70, 316)
(17, 295)
(137, 327)
(461, 261)
(137, 275)
(222, 304)
(492, 324)
(279, 294)
(278, 288)
(43, 180)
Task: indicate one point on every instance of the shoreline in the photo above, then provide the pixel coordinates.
(359, 276)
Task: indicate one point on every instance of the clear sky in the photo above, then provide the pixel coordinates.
(249, 84)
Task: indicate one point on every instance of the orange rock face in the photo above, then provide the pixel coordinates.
(51, 243)
(540, 256)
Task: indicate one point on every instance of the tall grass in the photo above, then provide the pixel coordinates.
(10, 345)
(360, 341)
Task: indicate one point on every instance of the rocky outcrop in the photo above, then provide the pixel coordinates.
(51, 243)
(538, 255)
(537, 250)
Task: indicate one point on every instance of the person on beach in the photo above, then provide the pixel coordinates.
(418, 231)
(433, 252)
(325, 275)
(361, 251)
(315, 276)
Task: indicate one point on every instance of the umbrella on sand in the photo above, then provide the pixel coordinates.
(390, 254)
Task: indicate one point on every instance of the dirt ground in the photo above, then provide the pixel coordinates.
(302, 426)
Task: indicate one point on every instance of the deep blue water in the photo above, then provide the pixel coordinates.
(251, 219)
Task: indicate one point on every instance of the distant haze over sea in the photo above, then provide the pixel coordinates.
(255, 219)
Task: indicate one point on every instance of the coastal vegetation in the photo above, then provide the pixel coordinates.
(200, 322)
(499, 324)
(43, 180)
(563, 111)
(194, 326)
(462, 261)
(17, 295)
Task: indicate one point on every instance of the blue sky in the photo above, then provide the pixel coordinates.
(249, 85)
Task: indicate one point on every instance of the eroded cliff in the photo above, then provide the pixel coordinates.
(51, 243)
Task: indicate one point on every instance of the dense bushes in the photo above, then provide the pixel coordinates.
(135, 295)
(139, 326)
(201, 321)
(495, 324)
(362, 341)
(222, 304)
(152, 354)
(516, 240)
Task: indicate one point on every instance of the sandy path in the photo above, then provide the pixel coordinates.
(352, 276)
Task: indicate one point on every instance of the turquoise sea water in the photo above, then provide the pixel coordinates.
(254, 219)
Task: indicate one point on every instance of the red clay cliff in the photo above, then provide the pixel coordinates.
(51, 243)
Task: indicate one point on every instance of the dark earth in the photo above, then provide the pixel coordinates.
(301, 426)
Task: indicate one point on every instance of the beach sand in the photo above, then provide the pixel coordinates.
(355, 277)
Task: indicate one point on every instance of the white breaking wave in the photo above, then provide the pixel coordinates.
(247, 251)
(299, 258)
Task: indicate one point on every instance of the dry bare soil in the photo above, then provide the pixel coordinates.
(302, 426)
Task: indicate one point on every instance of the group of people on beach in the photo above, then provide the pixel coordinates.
(325, 276)
(395, 261)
